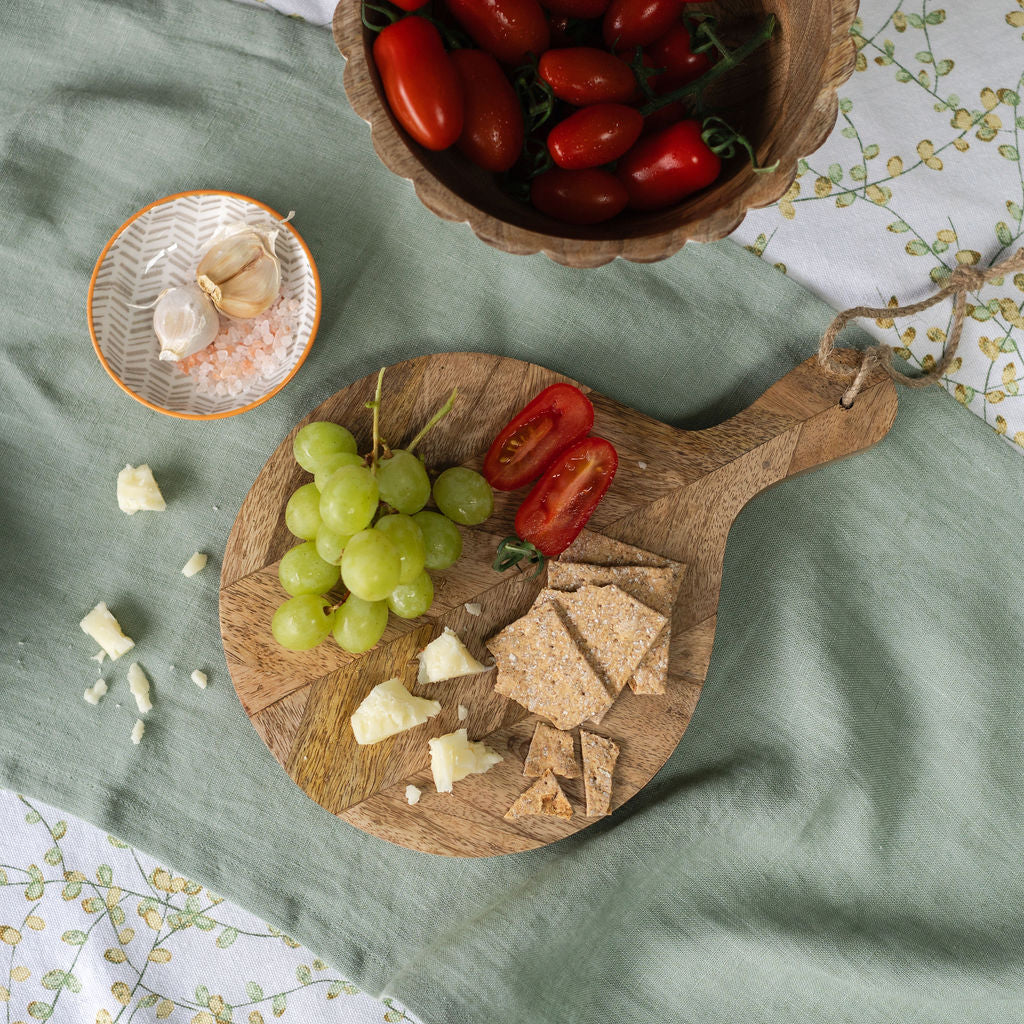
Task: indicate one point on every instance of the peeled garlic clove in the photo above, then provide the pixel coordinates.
(185, 321)
(241, 274)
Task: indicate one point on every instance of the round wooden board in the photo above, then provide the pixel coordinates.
(676, 494)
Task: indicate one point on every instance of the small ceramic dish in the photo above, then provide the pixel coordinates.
(138, 263)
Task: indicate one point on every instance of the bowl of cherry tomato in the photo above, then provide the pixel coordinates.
(591, 129)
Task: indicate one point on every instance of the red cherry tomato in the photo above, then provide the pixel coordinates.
(674, 52)
(410, 5)
(557, 418)
(631, 23)
(594, 135)
(582, 75)
(420, 82)
(564, 498)
(492, 132)
(578, 197)
(661, 169)
(577, 8)
(508, 29)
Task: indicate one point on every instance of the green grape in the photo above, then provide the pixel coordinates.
(359, 624)
(315, 440)
(442, 542)
(303, 571)
(404, 483)
(407, 537)
(302, 622)
(408, 600)
(330, 544)
(326, 466)
(349, 499)
(463, 496)
(370, 566)
(302, 513)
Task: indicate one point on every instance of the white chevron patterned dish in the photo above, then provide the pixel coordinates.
(127, 273)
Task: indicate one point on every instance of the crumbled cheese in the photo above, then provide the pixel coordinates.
(137, 731)
(195, 564)
(139, 685)
(413, 794)
(99, 656)
(137, 491)
(473, 607)
(390, 708)
(642, 465)
(93, 694)
(463, 712)
(199, 678)
(104, 629)
(455, 756)
(445, 658)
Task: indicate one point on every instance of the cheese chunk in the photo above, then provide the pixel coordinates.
(463, 712)
(137, 731)
(139, 685)
(104, 629)
(473, 607)
(455, 756)
(413, 794)
(137, 491)
(93, 694)
(199, 678)
(197, 563)
(445, 658)
(390, 708)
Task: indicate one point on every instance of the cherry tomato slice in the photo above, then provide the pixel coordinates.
(631, 23)
(420, 83)
(582, 75)
(508, 29)
(594, 135)
(674, 53)
(577, 8)
(578, 197)
(558, 417)
(661, 169)
(492, 132)
(564, 498)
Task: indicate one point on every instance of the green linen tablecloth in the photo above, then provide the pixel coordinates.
(837, 838)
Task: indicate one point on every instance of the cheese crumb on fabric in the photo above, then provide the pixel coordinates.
(473, 607)
(195, 564)
(199, 678)
(137, 491)
(446, 657)
(137, 731)
(138, 683)
(101, 625)
(93, 694)
(413, 794)
(99, 656)
(463, 712)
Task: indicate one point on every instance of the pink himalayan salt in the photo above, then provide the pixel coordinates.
(244, 352)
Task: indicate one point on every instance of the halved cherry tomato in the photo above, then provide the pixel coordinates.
(556, 510)
(661, 169)
(594, 135)
(674, 52)
(577, 8)
(508, 29)
(631, 23)
(558, 417)
(492, 133)
(583, 74)
(579, 197)
(420, 83)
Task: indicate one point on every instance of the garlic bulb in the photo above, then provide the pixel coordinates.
(185, 321)
(240, 272)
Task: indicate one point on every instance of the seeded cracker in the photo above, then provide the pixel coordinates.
(551, 749)
(599, 757)
(545, 796)
(540, 667)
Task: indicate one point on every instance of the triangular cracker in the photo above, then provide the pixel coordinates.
(545, 797)
(551, 749)
(599, 757)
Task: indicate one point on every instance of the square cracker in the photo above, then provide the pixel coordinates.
(545, 796)
(599, 757)
(551, 749)
(540, 667)
(653, 586)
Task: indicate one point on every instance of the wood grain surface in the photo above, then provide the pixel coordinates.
(676, 494)
(783, 98)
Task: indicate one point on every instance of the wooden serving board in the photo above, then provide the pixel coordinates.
(676, 493)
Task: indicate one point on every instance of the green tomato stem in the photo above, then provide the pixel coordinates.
(434, 420)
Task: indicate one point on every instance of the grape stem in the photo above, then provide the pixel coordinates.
(375, 406)
(434, 420)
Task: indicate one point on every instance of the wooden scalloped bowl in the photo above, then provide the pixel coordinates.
(783, 98)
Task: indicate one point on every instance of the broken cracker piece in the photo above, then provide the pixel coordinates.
(551, 749)
(545, 797)
(599, 757)
(597, 549)
(654, 586)
(651, 675)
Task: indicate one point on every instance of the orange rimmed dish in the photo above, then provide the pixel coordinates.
(131, 272)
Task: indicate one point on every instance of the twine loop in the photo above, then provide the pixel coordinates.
(963, 280)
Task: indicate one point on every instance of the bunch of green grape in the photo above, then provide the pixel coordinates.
(367, 526)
